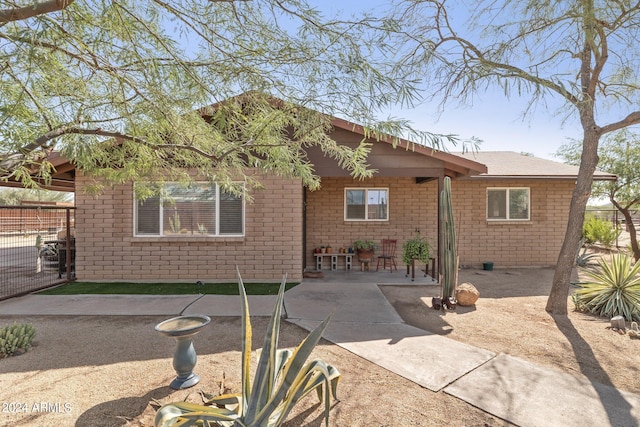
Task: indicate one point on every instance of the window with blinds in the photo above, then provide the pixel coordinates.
(198, 209)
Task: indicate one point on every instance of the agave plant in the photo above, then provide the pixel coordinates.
(612, 289)
(282, 378)
(583, 257)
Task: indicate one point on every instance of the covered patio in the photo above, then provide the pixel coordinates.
(381, 277)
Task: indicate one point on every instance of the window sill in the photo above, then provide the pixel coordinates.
(186, 239)
(509, 222)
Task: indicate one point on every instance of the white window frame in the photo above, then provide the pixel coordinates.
(366, 206)
(507, 207)
(217, 219)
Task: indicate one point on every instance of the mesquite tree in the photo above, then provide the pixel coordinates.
(149, 89)
(581, 52)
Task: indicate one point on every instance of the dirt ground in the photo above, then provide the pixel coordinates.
(104, 371)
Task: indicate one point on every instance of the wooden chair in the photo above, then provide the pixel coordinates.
(388, 255)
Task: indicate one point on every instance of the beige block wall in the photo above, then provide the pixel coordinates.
(506, 244)
(108, 251)
(411, 206)
(532, 243)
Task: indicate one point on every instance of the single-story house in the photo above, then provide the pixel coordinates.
(510, 209)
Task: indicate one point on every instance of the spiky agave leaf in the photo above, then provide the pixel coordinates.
(266, 371)
(613, 288)
(247, 335)
(282, 378)
(292, 368)
(313, 376)
(183, 414)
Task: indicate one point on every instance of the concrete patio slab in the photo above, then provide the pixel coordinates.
(134, 305)
(94, 304)
(229, 305)
(349, 302)
(413, 353)
(531, 395)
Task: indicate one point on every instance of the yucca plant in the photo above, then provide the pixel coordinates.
(282, 378)
(613, 289)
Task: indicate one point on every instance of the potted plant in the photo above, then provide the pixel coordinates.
(417, 248)
(364, 249)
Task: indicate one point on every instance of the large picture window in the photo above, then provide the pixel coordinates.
(508, 204)
(198, 209)
(366, 204)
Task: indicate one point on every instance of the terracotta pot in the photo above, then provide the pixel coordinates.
(365, 254)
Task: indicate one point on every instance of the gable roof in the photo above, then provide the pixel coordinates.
(509, 164)
(454, 165)
(63, 177)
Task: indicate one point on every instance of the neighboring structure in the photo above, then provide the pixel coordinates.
(510, 209)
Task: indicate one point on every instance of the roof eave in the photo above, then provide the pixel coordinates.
(559, 177)
(458, 166)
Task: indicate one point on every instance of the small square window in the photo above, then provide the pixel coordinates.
(508, 204)
(366, 204)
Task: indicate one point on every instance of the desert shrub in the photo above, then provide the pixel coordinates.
(16, 337)
(612, 289)
(599, 230)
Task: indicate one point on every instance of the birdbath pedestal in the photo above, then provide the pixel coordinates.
(183, 328)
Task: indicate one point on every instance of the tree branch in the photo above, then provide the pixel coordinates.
(22, 13)
(630, 120)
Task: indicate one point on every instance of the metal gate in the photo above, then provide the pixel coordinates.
(37, 248)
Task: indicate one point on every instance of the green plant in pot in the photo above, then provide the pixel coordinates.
(365, 249)
(417, 248)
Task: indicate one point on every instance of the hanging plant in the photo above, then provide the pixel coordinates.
(416, 248)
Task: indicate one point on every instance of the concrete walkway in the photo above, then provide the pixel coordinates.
(366, 324)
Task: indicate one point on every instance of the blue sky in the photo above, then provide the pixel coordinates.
(493, 118)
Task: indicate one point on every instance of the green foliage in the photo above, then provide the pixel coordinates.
(619, 154)
(612, 289)
(449, 246)
(365, 245)
(16, 337)
(282, 378)
(600, 230)
(146, 73)
(416, 248)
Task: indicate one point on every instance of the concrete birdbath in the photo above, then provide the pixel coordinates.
(183, 328)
